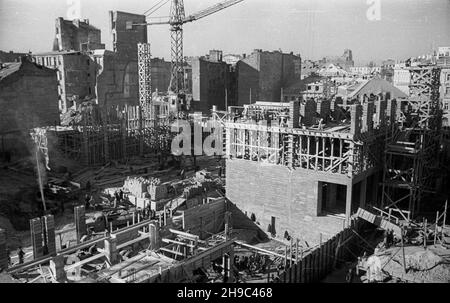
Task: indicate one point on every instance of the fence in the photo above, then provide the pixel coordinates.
(318, 263)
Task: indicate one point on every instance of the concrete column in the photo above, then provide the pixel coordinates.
(362, 193)
(3, 256)
(367, 116)
(331, 195)
(154, 236)
(355, 120)
(80, 222)
(57, 268)
(225, 267)
(392, 110)
(230, 266)
(49, 226)
(294, 114)
(348, 203)
(36, 237)
(380, 119)
(111, 250)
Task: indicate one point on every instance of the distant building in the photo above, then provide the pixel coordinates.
(262, 75)
(376, 86)
(310, 87)
(160, 74)
(86, 70)
(76, 75)
(10, 56)
(345, 61)
(76, 35)
(309, 68)
(28, 99)
(232, 59)
(332, 70)
(365, 71)
(402, 78)
(210, 82)
(443, 61)
(387, 70)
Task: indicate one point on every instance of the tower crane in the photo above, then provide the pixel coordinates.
(176, 20)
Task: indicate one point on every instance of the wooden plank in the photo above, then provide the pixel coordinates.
(303, 270)
(85, 261)
(171, 251)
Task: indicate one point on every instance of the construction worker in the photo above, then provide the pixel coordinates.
(350, 275)
(86, 202)
(121, 195)
(21, 255)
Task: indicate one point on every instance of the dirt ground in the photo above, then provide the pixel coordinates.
(20, 199)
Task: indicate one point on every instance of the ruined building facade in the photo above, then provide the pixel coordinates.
(77, 35)
(86, 70)
(28, 98)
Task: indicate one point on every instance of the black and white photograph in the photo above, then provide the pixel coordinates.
(229, 142)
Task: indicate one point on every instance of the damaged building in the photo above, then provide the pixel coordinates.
(28, 98)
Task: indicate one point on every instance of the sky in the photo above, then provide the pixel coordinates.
(372, 29)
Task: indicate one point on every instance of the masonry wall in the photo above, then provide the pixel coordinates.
(291, 196)
(77, 78)
(266, 73)
(125, 40)
(117, 81)
(209, 81)
(28, 98)
(160, 73)
(70, 35)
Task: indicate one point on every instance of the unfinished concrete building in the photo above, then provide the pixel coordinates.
(304, 181)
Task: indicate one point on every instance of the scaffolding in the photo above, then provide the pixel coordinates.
(412, 145)
(114, 133)
(144, 71)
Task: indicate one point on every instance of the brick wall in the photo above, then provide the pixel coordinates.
(71, 34)
(209, 81)
(265, 73)
(291, 196)
(28, 98)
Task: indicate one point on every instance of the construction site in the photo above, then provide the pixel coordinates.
(309, 190)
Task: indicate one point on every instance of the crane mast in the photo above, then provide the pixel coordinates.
(176, 32)
(176, 21)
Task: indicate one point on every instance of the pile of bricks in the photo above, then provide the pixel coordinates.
(157, 190)
(137, 186)
(192, 191)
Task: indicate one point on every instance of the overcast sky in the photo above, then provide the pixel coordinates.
(313, 28)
